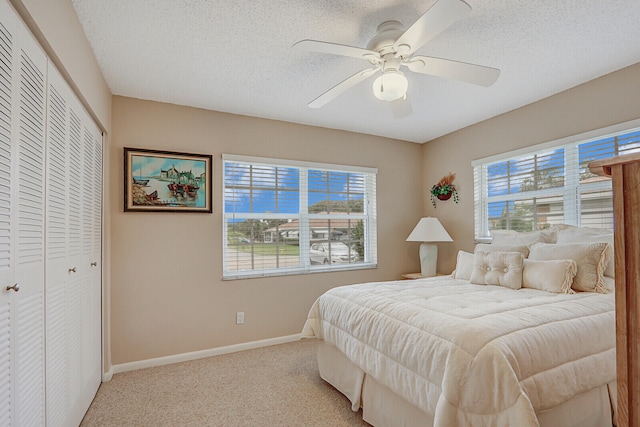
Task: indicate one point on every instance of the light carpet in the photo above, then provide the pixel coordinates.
(271, 386)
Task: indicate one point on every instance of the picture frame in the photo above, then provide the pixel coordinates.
(167, 181)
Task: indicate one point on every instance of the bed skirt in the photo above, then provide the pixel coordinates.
(381, 407)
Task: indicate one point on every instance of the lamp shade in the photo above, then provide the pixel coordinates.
(429, 229)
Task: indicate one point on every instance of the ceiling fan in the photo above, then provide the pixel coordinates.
(391, 48)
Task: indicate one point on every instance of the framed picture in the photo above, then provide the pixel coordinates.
(165, 181)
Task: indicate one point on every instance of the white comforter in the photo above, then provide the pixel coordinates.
(471, 355)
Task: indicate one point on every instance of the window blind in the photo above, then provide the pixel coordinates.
(285, 217)
(548, 186)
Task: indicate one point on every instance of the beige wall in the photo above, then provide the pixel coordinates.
(606, 101)
(166, 289)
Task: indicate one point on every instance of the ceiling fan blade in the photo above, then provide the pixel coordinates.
(401, 108)
(343, 86)
(336, 49)
(440, 16)
(447, 68)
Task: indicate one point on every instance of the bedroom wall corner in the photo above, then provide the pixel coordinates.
(57, 28)
(605, 101)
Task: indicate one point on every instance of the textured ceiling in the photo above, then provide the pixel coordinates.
(235, 56)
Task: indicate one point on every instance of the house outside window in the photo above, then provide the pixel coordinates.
(549, 184)
(289, 217)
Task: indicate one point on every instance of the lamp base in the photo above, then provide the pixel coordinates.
(428, 259)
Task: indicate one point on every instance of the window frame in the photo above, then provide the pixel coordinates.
(570, 192)
(369, 216)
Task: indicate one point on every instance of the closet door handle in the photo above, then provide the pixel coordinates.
(73, 270)
(94, 264)
(14, 288)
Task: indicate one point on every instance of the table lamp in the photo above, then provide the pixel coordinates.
(427, 231)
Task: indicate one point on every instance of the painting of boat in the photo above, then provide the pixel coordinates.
(139, 181)
(152, 196)
(184, 184)
(182, 190)
(167, 181)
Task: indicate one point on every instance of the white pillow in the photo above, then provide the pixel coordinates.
(571, 234)
(591, 259)
(511, 237)
(523, 249)
(464, 265)
(498, 268)
(549, 275)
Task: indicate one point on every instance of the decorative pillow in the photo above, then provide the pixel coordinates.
(498, 268)
(511, 237)
(549, 275)
(464, 265)
(570, 234)
(591, 259)
(523, 249)
(610, 284)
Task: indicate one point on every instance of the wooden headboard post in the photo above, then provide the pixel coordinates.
(625, 173)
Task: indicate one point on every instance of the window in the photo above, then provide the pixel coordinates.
(550, 184)
(288, 217)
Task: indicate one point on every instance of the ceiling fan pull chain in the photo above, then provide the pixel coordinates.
(382, 77)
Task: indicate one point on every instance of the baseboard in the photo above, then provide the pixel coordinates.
(107, 375)
(184, 357)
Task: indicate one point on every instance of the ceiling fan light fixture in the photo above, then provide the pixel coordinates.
(391, 85)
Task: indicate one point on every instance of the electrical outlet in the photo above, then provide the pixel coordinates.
(240, 318)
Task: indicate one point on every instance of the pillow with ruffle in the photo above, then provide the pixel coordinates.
(571, 234)
(591, 260)
(554, 275)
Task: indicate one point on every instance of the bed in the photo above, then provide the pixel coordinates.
(461, 350)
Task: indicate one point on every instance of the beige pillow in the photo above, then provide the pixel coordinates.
(610, 283)
(571, 234)
(549, 275)
(511, 237)
(498, 268)
(464, 265)
(591, 259)
(523, 249)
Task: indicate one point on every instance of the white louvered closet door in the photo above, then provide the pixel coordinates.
(93, 312)
(74, 243)
(7, 270)
(87, 310)
(22, 156)
(57, 366)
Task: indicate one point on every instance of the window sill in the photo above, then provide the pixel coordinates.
(297, 272)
